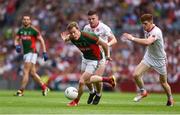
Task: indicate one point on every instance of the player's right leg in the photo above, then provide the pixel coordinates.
(83, 79)
(139, 70)
(37, 78)
(25, 79)
(32, 58)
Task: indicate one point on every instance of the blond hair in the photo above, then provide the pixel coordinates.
(72, 24)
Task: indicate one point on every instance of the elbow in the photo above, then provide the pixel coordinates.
(105, 46)
(115, 41)
(148, 42)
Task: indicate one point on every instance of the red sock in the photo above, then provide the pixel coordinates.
(76, 100)
(105, 79)
(43, 86)
(22, 90)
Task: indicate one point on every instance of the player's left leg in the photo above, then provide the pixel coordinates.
(167, 89)
(98, 93)
(161, 68)
(92, 92)
(84, 65)
(99, 85)
(111, 79)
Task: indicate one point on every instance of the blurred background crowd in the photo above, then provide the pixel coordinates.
(63, 68)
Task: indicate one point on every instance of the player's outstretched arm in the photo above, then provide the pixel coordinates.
(142, 41)
(65, 36)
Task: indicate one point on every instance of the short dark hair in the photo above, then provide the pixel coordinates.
(146, 17)
(92, 12)
(26, 14)
(72, 24)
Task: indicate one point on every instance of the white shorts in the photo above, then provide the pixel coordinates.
(30, 57)
(90, 66)
(158, 65)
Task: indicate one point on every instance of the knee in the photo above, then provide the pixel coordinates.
(136, 75)
(163, 81)
(92, 79)
(33, 73)
(81, 81)
(26, 72)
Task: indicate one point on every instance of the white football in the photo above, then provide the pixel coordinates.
(71, 93)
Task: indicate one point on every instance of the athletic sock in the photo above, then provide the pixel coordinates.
(76, 100)
(21, 89)
(92, 91)
(142, 90)
(106, 79)
(43, 86)
(98, 94)
(170, 97)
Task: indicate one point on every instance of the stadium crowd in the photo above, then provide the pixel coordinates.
(52, 17)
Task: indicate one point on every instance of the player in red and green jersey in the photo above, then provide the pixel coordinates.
(28, 36)
(89, 44)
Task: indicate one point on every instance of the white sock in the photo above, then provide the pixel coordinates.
(92, 91)
(98, 94)
(170, 97)
(142, 90)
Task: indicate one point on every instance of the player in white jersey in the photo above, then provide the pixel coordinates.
(155, 57)
(105, 33)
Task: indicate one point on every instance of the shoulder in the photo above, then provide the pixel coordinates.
(19, 31)
(90, 36)
(103, 25)
(35, 29)
(156, 30)
(87, 27)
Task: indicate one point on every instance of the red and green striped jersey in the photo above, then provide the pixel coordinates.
(87, 45)
(29, 37)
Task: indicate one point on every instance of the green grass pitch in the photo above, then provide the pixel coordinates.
(111, 103)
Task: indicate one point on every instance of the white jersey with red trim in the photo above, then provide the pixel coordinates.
(101, 30)
(156, 49)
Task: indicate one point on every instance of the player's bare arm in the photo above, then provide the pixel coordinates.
(65, 36)
(142, 41)
(40, 38)
(105, 48)
(16, 40)
(112, 41)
